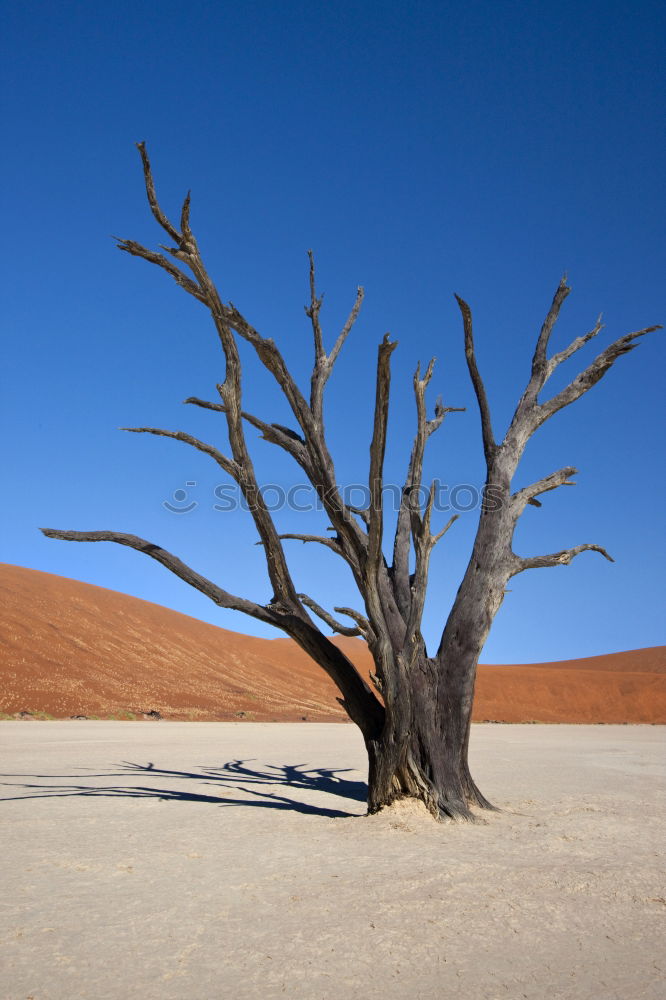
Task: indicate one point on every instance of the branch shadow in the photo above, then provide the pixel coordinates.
(249, 786)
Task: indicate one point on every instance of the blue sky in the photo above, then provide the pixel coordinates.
(420, 149)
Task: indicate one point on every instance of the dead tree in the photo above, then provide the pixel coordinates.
(417, 732)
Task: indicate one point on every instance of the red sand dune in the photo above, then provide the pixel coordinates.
(69, 648)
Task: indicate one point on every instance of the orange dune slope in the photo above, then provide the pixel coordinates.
(69, 648)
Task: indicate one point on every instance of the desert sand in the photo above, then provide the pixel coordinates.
(175, 862)
(68, 648)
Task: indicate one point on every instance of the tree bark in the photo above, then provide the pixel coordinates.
(422, 752)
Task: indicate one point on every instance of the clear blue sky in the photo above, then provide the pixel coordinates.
(421, 149)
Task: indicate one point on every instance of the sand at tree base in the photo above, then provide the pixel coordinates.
(173, 862)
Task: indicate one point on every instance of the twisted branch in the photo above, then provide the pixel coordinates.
(313, 312)
(529, 494)
(137, 250)
(539, 361)
(284, 437)
(400, 576)
(574, 346)
(489, 445)
(377, 451)
(562, 558)
(221, 597)
(362, 622)
(530, 414)
(590, 376)
(152, 197)
(328, 618)
(324, 363)
(225, 463)
(329, 543)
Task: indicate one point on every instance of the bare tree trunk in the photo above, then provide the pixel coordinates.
(422, 750)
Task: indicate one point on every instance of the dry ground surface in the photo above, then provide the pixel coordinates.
(182, 861)
(69, 648)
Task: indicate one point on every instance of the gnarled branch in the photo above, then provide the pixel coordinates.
(271, 357)
(562, 558)
(489, 445)
(530, 414)
(328, 618)
(362, 622)
(424, 543)
(313, 312)
(529, 493)
(346, 329)
(539, 360)
(137, 250)
(329, 543)
(221, 597)
(152, 197)
(321, 468)
(336, 545)
(324, 363)
(223, 318)
(574, 346)
(400, 576)
(377, 451)
(440, 534)
(590, 376)
(284, 437)
(225, 463)
(359, 700)
(522, 423)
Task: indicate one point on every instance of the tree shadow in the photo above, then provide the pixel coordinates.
(249, 785)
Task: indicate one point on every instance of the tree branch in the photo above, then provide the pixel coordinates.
(271, 357)
(562, 558)
(413, 482)
(323, 365)
(185, 219)
(334, 544)
(574, 346)
(377, 451)
(292, 443)
(328, 618)
(225, 463)
(220, 597)
(359, 701)
(529, 494)
(137, 250)
(330, 543)
(313, 312)
(440, 534)
(206, 404)
(284, 437)
(539, 362)
(530, 414)
(346, 329)
(321, 470)
(278, 571)
(361, 511)
(321, 461)
(152, 197)
(489, 446)
(588, 378)
(362, 622)
(424, 543)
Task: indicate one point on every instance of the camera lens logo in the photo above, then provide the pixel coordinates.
(179, 501)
